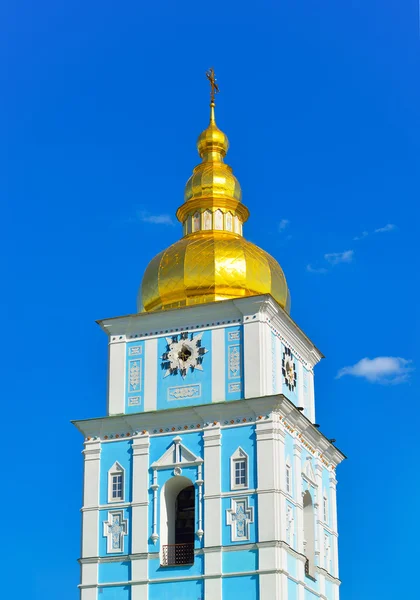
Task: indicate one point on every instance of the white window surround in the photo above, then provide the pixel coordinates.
(115, 485)
(325, 508)
(288, 477)
(239, 466)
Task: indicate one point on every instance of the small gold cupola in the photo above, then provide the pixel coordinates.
(212, 261)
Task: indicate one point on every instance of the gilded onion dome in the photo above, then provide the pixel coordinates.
(212, 261)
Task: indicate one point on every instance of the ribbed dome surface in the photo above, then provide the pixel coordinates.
(206, 268)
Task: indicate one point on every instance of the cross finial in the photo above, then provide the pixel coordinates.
(214, 88)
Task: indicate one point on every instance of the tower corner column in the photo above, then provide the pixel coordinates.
(212, 512)
(139, 516)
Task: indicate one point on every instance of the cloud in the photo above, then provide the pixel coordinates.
(312, 269)
(163, 219)
(382, 369)
(335, 258)
(386, 228)
(361, 236)
(283, 224)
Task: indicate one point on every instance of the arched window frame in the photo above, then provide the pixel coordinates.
(239, 475)
(116, 477)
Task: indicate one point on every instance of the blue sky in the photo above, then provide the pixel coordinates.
(100, 107)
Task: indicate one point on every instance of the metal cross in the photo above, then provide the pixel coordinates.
(214, 88)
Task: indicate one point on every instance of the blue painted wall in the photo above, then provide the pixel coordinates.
(135, 369)
(174, 590)
(245, 588)
(292, 565)
(240, 561)
(292, 590)
(172, 387)
(112, 452)
(114, 571)
(234, 363)
(156, 571)
(115, 593)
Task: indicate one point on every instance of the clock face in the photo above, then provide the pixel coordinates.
(184, 354)
(289, 369)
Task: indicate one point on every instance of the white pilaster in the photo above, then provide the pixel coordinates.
(319, 523)
(116, 376)
(333, 513)
(89, 593)
(297, 468)
(140, 499)
(150, 380)
(139, 573)
(218, 365)
(90, 513)
(268, 480)
(269, 505)
(311, 394)
(213, 511)
(89, 573)
(254, 353)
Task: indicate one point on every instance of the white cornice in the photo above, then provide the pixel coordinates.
(212, 314)
(209, 416)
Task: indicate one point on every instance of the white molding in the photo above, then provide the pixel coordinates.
(177, 455)
(233, 311)
(215, 412)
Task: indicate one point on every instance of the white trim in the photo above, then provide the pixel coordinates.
(239, 456)
(177, 454)
(116, 470)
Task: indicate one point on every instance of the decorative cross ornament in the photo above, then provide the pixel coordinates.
(115, 528)
(239, 516)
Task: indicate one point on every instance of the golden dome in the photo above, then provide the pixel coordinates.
(205, 268)
(212, 261)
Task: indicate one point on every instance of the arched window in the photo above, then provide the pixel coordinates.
(309, 533)
(177, 521)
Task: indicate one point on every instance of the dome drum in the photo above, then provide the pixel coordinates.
(212, 220)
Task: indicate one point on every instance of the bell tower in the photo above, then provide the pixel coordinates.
(208, 478)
